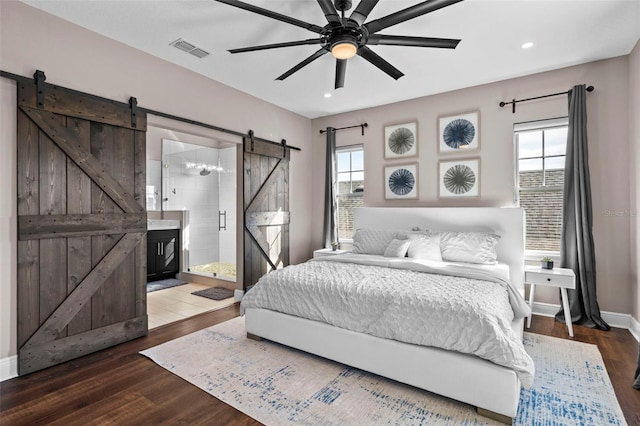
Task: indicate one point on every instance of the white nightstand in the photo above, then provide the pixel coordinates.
(556, 277)
(327, 252)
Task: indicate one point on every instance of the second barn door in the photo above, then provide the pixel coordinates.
(266, 208)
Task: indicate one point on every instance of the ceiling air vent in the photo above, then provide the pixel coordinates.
(199, 52)
(185, 46)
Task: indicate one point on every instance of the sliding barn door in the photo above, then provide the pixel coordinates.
(81, 225)
(266, 208)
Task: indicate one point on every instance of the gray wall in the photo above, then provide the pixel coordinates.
(609, 146)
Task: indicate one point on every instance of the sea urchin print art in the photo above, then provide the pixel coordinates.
(401, 182)
(458, 133)
(401, 141)
(459, 179)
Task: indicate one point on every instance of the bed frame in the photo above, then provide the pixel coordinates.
(493, 389)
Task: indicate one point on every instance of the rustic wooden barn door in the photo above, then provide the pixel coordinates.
(266, 208)
(81, 225)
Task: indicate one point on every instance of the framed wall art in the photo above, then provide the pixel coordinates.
(401, 181)
(459, 178)
(459, 132)
(401, 140)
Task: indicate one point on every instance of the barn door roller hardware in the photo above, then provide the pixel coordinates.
(133, 104)
(39, 79)
(251, 137)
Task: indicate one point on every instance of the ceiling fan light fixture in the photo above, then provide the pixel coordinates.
(344, 48)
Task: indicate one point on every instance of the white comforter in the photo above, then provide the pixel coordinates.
(400, 300)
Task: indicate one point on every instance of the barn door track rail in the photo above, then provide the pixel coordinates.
(39, 78)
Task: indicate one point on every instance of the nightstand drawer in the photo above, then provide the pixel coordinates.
(549, 279)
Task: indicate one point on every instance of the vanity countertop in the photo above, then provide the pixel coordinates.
(162, 224)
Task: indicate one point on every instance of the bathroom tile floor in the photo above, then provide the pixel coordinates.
(177, 303)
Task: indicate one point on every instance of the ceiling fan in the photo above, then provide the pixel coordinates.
(347, 37)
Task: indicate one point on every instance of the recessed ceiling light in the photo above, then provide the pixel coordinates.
(527, 45)
(327, 95)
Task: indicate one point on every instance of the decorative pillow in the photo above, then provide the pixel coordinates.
(405, 235)
(469, 247)
(425, 246)
(372, 241)
(397, 248)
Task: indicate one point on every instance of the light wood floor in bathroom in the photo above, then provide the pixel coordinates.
(177, 303)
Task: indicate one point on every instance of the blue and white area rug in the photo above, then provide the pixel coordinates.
(277, 385)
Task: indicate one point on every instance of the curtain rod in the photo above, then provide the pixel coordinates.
(514, 101)
(362, 126)
(28, 80)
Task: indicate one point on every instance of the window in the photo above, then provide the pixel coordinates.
(540, 155)
(350, 187)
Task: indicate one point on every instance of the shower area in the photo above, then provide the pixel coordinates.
(200, 182)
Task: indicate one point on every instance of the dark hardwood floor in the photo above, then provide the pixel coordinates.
(119, 386)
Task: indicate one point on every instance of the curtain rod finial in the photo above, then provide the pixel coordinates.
(590, 89)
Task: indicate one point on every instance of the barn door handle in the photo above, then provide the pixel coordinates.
(222, 215)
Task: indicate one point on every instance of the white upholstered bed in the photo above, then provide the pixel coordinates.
(492, 388)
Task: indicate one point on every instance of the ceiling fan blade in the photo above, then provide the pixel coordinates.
(341, 70)
(330, 11)
(363, 10)
(273, 15)
(276, 45)
(408, 13)
(303, 64)
(376, 60)
(390, 40)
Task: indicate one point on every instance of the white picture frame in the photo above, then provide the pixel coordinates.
(459, 178)
(459, 132)
(401, 140)
(401, 181)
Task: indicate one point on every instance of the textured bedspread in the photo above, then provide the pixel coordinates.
(457, 313)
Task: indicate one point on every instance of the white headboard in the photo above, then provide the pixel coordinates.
(506, 222)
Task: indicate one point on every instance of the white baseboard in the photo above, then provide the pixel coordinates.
(614, 319)
(634, 328)
(8, 368)
(237, 295)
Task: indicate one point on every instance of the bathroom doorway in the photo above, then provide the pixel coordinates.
(192, 188)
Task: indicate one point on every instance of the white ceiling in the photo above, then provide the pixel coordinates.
(565, 32)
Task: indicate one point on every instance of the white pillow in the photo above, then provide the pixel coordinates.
(469, 247)
(425, 246)
(397, 248)
(372, 241)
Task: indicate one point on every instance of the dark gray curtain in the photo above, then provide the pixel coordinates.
(636, 384)
(330, 230)
(576, 246)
